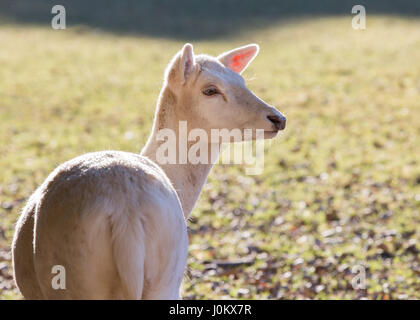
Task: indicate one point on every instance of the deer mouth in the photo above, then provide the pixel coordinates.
(268, 134)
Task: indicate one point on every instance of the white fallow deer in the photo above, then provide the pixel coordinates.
(116, 221)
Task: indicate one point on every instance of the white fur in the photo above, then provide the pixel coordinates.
(116, 220)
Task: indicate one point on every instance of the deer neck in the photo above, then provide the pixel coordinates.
(188, 179)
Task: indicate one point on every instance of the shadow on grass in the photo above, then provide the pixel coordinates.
(189, 19)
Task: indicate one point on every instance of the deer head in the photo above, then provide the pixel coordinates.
(210, 93)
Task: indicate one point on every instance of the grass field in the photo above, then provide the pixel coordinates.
(340, 187)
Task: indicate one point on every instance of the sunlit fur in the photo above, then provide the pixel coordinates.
(116, 220)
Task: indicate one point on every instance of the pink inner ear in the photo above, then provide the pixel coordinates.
(240, 60)
(187, 64)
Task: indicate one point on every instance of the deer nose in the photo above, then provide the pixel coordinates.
(279, 121)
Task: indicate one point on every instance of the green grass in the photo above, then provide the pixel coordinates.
(340, 187)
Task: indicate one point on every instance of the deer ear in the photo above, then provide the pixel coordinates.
(181, 66)
(238, 59)
(187, 63)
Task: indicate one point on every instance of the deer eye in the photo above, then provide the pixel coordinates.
(210, 91)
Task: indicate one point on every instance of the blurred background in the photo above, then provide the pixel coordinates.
(340, 190)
